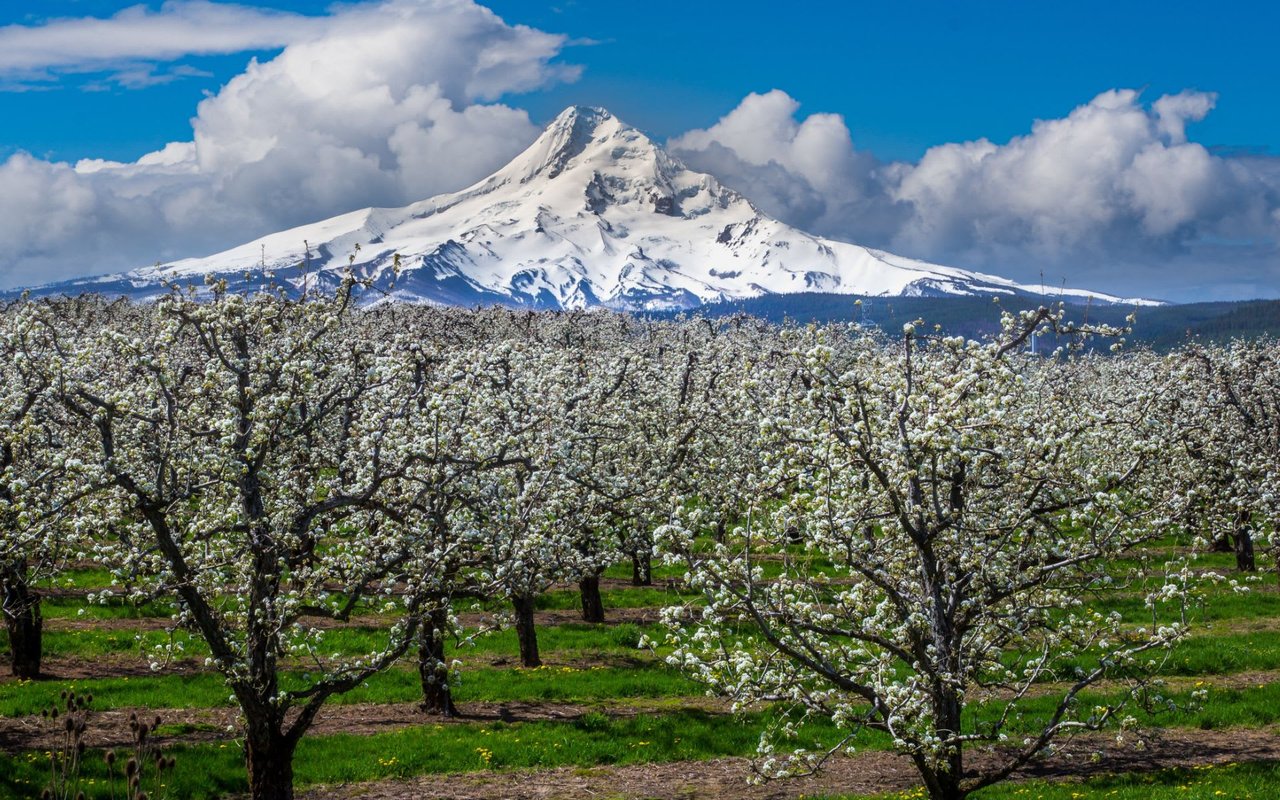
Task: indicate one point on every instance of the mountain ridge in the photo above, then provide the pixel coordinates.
(592, 213)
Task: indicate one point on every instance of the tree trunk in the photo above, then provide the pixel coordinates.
(1222, 544)
(948, 712)
(1245, 561)
(941, 782)
(268, 758)
(525, 631)
(642, 569)
(437, 698)
(25, 624)
(592, 603)
(948, 788)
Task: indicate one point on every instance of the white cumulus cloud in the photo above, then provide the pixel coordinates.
(132, 42)
(1113, 195)
(806, 172)
(395, 101)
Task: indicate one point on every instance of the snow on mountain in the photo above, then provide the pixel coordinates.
(592, 213)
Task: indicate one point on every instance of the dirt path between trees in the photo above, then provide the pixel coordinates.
(120, 665)
(869, 772)
(194, 725)
(124, 665)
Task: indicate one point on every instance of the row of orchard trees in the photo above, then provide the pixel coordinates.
(886, 532)
(275, 465)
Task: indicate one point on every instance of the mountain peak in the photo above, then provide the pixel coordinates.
(579, 133)
(580, 115)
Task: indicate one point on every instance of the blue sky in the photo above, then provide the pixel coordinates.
(1187, 187)
(908, 75)
(905, 75)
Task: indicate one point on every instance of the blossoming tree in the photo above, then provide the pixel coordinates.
(957, 505)
(267, 466)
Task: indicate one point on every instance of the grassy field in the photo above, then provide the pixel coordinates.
(599, 703)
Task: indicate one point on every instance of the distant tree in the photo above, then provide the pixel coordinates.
(523, 516)
(1226, 411)
(42, 480)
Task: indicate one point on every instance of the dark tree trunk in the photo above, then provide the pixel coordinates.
(268, 758)
(944, 783)
(432, 668)
(642, 569)
(525, 631)
(1222, 544)
(948, 789)
(950, 780)
(1245, 561)
(25, 625)
(592, 603)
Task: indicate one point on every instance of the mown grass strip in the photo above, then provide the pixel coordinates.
(1248, 781)
(206, 690)
(572, 639)
(214, 770)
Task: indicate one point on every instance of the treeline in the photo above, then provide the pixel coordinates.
(1160, 327)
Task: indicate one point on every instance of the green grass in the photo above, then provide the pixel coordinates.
(93, 644)
(1227, 654)
(1225, 708)
(1222, 654)
(83, 578)
(659, 572)
(1220, 604)
(197, 690)
(609, 670)
(213, 770)
(571, 640)
(1153, 560)
(401, 685)
(114, 608)
(1250, 781)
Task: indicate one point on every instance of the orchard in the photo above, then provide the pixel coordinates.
(517, 540)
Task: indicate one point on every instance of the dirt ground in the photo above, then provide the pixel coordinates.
(125, 665)
(863, 773)
(189, 726)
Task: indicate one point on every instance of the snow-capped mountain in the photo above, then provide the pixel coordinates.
(592, 213)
